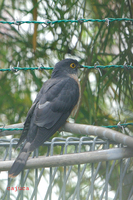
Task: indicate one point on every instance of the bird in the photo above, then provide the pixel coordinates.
(58, 98)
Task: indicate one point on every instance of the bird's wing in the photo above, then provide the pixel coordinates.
(52, 110)
(46, 86)
(60, 99)
(26, 125)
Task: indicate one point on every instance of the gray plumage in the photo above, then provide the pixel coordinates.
(54, 103)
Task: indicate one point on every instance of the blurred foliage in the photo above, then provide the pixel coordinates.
(106, 99)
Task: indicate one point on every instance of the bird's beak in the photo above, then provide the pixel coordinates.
(80, 66)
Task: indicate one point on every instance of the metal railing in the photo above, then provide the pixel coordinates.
(111, 179)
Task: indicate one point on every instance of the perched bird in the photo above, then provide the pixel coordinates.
(58, 98)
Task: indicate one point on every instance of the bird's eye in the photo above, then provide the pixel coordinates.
(72, 65)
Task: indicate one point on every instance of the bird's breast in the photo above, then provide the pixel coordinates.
(76, 107)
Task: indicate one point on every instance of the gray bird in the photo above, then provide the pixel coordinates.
(58, 98)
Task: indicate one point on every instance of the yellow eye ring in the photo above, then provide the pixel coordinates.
(73, 65)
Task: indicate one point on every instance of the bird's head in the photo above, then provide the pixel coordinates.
(66, 67)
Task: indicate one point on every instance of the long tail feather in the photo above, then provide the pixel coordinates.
(20, 161)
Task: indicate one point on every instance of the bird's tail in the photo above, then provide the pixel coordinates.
(20, 161)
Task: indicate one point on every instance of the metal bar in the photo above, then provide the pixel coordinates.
(90, 130)
(73, 159)
(98, 151)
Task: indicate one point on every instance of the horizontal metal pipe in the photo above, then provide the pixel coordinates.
(73, 159)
